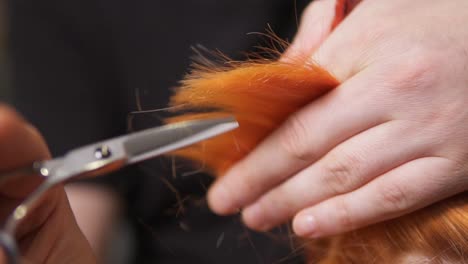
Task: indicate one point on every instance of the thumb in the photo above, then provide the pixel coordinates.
(317, 22)
(20, 144)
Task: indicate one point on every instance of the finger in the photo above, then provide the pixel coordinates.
(51, 218)
(315, 26)
(319, 19)
(301, 140)
(407, 188)
(347, 167)
(20, 144)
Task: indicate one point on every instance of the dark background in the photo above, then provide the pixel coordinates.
(76, 67)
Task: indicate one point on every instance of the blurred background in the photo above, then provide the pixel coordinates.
(4, 74)
(76, 69)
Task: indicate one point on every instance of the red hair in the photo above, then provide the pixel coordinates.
(261, 94)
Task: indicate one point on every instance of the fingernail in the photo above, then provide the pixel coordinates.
(306, 226)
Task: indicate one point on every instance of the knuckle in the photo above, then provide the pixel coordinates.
(417, 74)
(393, 198)
(341, 172)
(344, 218)
(292, 138)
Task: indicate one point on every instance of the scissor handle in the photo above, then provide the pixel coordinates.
(7, 241)
(32, 168)
(8, 244)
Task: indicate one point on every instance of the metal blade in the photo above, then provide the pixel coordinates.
(156, 141)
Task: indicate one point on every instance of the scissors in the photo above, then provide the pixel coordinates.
(103, 157)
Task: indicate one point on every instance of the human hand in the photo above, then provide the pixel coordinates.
(49, 233)
(391, 139)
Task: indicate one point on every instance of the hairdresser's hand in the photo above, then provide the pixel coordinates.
(391, 139)
(49, 234)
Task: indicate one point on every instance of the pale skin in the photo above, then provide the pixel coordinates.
(391, 139)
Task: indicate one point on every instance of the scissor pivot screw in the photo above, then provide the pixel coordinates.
(44, 172)
(102, 152)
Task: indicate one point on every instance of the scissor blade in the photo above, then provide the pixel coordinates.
(156, 141)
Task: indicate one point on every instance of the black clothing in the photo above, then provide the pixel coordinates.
(77, 65)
